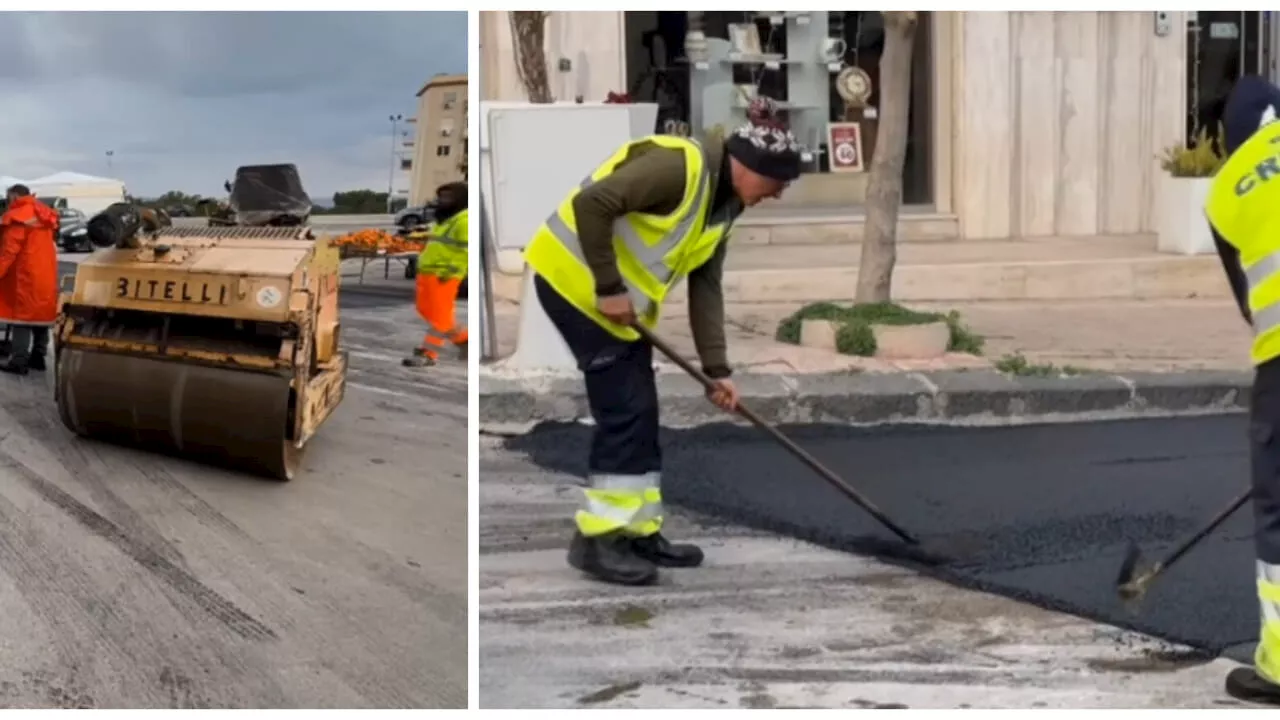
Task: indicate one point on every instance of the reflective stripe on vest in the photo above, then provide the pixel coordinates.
(653, 253)
(446, 251)
(1243, 205)
(1268, 317)
(1267, 657)
(650, 257)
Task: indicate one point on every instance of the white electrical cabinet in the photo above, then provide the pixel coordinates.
(531, 157)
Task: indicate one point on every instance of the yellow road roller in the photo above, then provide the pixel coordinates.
(219, 344)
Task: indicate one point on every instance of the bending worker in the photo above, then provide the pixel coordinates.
(28, 278)
(441, 268)
(1243, 209)
(655, 212)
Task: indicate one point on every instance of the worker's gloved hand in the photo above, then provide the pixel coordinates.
(617, 308)
(724, 394)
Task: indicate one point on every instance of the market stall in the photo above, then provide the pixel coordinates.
(371, 245)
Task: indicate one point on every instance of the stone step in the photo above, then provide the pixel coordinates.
(1089, 268)
(1062, 268)
(814, 227)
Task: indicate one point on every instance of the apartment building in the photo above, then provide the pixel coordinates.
(440, 140)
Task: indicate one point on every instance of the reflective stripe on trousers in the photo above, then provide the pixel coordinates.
(1267, 317)
(629, 503)
(650, 256)
(436, 304)
(1266, 660)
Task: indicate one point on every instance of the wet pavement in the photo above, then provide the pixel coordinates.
(1036, 513)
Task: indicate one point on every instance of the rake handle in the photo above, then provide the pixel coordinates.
(800, 453)
(1213, 524)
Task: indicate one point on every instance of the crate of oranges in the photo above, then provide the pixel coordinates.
(367, 242)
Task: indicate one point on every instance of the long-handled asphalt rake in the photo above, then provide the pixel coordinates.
(1133, 585)
(777, 435)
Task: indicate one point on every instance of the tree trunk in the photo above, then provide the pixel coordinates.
(884, 186)
(529, 32)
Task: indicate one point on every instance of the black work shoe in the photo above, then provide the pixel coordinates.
(36, 363)
(610, 558)
(15, 367)
(1246, 684)
(418, 361)
(662, 552)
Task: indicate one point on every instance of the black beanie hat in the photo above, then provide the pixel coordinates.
(764, 144)
(1252, 103)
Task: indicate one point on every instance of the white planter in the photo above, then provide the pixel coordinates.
(915, 342)
(818, 334)
(1181, 226)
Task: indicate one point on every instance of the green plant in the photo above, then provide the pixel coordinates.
(1017, 364)
(854, 335)
(1201, 160)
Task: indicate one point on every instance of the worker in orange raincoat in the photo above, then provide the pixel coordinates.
(441, 269)
(28, 278)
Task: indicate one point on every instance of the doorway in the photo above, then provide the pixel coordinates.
(1222, 46)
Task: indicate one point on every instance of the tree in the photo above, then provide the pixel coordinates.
(529, 33)
(359, 202)
(884, 186)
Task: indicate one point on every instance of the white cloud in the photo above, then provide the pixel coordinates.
(183, 98)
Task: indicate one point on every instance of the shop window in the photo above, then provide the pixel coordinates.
(795, 58)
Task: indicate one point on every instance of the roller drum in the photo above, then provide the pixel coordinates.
(232, 418)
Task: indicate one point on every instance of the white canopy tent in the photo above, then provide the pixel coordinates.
(87, 193)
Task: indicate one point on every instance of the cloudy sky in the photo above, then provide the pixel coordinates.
(183, 98)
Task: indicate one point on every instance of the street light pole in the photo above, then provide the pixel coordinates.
(391, 175)
(110, 154)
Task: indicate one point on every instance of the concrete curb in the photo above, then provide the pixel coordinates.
(953, 397)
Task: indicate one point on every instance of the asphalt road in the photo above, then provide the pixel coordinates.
(1033, 514)
(133, 580)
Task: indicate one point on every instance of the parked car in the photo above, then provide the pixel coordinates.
(73, 231)
(411, 217)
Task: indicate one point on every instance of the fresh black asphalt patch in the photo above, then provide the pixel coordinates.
(1039, 513)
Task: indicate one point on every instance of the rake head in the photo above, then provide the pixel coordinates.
(1130, 584)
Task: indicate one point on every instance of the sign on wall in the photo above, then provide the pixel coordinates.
(844, 143)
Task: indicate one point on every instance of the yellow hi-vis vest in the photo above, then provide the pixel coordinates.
(1244, 207)
(654, 252)
(445, 255)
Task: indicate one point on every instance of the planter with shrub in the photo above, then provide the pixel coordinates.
(878, 330)
(1183, 188)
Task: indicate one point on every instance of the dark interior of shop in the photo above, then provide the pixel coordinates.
(657, 72)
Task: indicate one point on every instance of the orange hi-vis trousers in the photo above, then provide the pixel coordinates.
(437, 300)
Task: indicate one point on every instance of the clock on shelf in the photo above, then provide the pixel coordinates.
(853, 84)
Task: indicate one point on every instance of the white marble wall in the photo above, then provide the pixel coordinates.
(593, 42)
(1059, 121)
